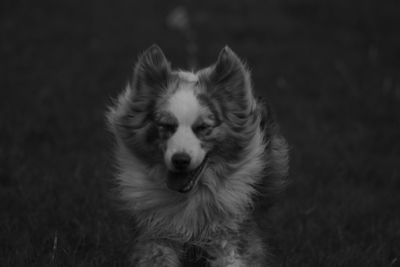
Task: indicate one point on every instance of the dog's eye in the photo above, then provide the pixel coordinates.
(203, 129)
(167, 127)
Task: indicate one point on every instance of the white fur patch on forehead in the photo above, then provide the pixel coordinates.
(184, 105)
(188, 76)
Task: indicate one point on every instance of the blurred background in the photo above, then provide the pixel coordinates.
(330, 68)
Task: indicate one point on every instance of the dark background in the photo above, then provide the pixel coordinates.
(330, 68)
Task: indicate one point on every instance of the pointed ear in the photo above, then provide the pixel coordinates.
(151, 71)
(230, 80)
(227, 66)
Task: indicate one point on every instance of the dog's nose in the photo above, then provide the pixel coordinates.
(181, 161)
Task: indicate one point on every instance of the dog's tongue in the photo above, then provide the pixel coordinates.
(177, 181)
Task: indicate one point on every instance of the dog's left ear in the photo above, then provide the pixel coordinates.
(230, 79)
(151, 71)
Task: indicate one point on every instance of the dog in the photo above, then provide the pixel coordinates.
(195, 151)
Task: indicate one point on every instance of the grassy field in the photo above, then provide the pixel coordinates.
(330, 68)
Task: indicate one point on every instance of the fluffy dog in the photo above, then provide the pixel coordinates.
(195, 150)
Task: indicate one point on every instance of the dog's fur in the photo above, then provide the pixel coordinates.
(234, 147)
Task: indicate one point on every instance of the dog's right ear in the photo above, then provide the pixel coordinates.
(151, 71)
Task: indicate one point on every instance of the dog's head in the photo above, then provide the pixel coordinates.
(183, 123)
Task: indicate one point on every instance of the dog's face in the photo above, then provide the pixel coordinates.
(184, 128)
(184, 122)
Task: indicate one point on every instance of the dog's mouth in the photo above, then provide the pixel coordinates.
(184, 181)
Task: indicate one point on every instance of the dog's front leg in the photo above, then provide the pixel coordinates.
(228, 253)
(152, 254)
(225, 254)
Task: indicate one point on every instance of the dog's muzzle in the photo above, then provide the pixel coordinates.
(184, 181)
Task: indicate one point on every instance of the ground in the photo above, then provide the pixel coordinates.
(330, 68)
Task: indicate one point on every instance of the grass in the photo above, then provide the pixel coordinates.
(330, 68)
